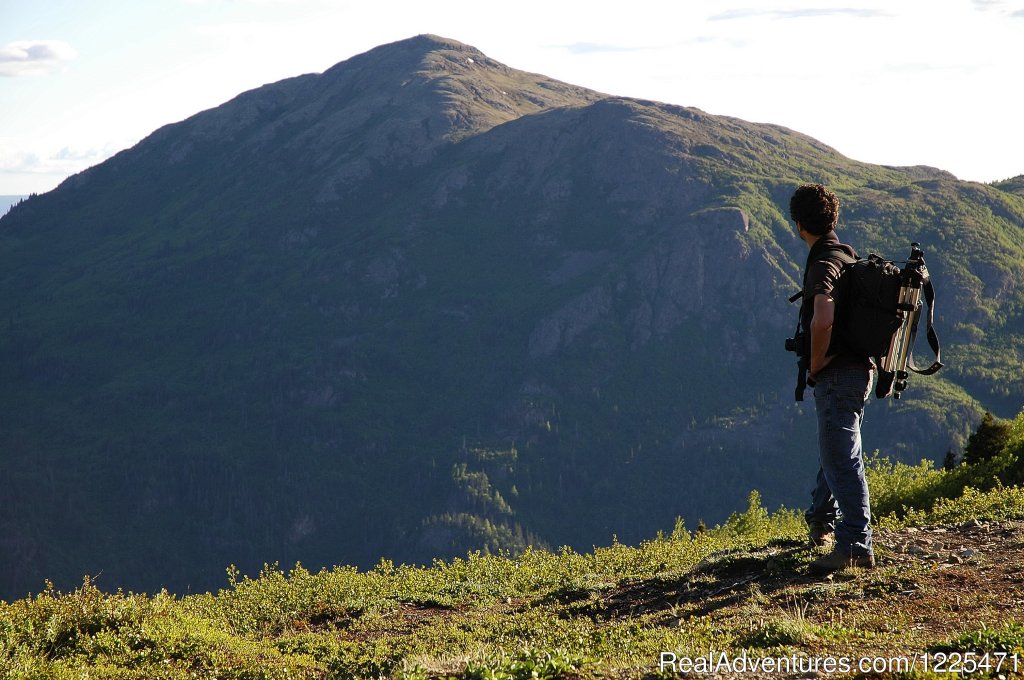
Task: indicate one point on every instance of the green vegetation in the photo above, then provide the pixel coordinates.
(978, 487)
(1007, 639)
(739, 588)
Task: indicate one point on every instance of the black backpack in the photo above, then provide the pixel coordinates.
(878, 307)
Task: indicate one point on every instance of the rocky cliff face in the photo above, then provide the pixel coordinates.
(425, 302)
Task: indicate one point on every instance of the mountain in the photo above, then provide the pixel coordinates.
(423, 303)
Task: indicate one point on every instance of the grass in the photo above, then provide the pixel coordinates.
(741, 588)
(545, 614)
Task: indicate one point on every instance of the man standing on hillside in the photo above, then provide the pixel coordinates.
(842, 382)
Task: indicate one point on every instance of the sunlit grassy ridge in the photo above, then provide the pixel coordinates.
(541, 614)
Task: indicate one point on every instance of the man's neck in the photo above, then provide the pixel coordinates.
(809, 238)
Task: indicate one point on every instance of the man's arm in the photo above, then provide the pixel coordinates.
(821, 332)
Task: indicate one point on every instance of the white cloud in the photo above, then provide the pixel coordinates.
(595, 48)
(34, 57)
(798, 13)
(1012, 9)
(18, 162)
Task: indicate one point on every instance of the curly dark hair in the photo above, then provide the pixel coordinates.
(815, 208)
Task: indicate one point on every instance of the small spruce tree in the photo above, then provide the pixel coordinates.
(950, 461)
(988, 440)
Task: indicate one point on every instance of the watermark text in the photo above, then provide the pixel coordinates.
(966, 663)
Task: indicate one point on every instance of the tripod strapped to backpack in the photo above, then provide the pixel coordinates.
(892, 371)
(878, 309)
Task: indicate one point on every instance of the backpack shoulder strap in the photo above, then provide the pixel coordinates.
(933, 338)
(838, 252)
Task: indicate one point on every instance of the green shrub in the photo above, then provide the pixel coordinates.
(1009, 639)
(1000, 503)
(526, 665)
(899, 490)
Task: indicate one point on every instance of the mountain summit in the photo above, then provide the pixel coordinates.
(394, 105)
(423, 303)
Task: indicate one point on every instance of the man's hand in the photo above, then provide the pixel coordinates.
(821, 333)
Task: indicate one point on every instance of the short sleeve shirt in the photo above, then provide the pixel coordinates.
(820, 276)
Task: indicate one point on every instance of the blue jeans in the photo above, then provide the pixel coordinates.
(839, 398)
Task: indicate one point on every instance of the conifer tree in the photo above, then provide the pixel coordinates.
(950, 461)
(988, 440)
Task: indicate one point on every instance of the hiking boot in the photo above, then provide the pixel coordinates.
(820, 536)
(839, 559)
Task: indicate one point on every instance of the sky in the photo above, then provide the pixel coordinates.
(893, 82)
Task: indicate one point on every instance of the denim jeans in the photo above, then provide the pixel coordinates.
(839, 398)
